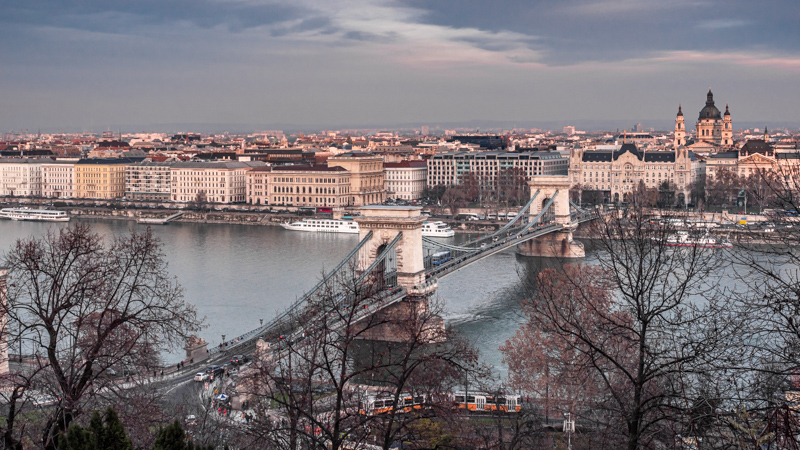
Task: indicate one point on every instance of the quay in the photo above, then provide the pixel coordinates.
(160, 220)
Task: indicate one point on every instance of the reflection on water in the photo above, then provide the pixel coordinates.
(238, 274)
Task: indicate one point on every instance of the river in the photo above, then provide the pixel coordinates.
(238, 274)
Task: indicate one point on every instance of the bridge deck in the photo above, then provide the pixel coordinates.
(393, 294)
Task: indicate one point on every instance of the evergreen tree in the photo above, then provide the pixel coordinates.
(97, 436)
(114, 435)
(171, 438)
(96, 431)
(76, 439)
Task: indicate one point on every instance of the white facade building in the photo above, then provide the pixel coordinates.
(406, 179)
(221, 181)
(21, 177)
(58, 179)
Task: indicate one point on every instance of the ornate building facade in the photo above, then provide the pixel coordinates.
(617, 173)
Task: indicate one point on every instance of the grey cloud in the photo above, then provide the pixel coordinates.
(575, 31)
(369, 37)
(720, 24)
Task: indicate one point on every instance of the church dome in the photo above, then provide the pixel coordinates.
(710, 111)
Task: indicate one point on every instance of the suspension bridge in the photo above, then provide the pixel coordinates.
(403, 268)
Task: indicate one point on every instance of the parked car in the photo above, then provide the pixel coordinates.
(201, 376)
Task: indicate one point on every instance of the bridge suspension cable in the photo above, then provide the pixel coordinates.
(299, 302)
(518, 217)
(389, 248)
(535, 220)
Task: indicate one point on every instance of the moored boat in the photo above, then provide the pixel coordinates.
(43, 215)
(437, 229)
(323, 225)
(685, 239)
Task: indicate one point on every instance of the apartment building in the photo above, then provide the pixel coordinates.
(367, 178)
(258, 185)
(448, 169)
(58, 179)
(406, 179)
(318, 186)
(21, 177)
(101, 178)
(149, 180)
(220, 181)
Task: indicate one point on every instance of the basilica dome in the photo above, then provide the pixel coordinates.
(710, 111)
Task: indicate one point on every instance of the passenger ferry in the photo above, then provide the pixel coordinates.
(437, 229)
(323, 225)
(45, 215)
(684, 239)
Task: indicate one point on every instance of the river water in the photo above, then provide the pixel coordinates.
(238, 274)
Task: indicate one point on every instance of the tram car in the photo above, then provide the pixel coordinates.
(479, 401)
(382, 404)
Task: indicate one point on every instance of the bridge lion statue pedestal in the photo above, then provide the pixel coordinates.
(559, 244)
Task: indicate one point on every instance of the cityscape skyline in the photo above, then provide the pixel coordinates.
(89, 66)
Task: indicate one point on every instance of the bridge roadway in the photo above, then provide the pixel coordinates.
(389, 295)
(393, 294)
(489, 249)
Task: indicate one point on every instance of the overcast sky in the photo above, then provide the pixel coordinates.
(100, 63)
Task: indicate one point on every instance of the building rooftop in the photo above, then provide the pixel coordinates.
(210, 165)
(308, 168)
(405, 164)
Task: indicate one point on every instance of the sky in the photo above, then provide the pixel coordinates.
(95, 64)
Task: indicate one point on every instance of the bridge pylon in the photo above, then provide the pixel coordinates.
(559, 244)
(386, 222)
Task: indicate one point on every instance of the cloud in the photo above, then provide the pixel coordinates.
(721, 24)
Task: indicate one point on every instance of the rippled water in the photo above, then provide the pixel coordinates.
(237, 274)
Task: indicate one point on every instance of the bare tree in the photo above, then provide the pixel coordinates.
(721, 189)
(319, 377)
(640, 340)
(760, 187)
(86, 305)
(200, 201)
(512, 186)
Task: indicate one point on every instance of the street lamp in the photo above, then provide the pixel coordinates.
(223, 339)
(261, 322)
(569, 428)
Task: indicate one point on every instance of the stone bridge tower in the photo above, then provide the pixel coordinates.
(559, 243)
(385, 222)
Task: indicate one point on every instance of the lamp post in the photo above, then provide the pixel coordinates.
(261, 322)
(223, 339)
(569, 428)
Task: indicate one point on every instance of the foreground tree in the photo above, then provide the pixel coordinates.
(627, 330)
(86, 305)
(314, 385)
(103, 433)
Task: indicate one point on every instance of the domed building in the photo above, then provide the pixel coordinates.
(712, 126)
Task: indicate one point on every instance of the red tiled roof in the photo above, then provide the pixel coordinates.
(404, 164)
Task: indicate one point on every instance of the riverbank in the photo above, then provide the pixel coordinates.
(241, 217)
